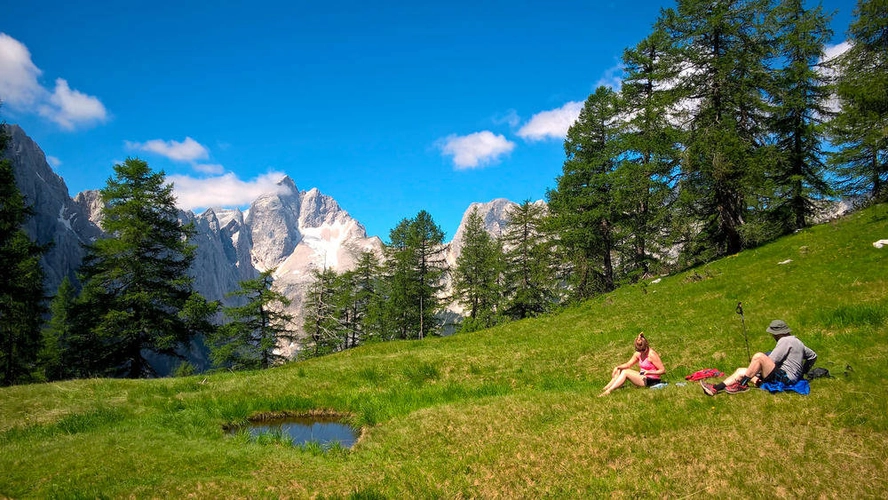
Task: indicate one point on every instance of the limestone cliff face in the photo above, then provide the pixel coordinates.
(58, 220)
(273, 223)
(90, 203)
(218, 266)
(495, 215)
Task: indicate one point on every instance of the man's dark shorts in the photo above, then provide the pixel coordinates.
(778, 375)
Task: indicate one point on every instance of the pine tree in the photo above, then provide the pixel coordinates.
(650, 146)
(582, 207)
(530, 271)
(369, 297)
(254, 330)
(135, 282)
(22, 299)
(322, 313)
(799, 95)
(721, 47)
(858, 131)
(477, 283)
(416, 267)
(64, 347)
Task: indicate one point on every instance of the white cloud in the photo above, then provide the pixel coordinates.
(552, 124)
(21, 89)
(510, 118)
(612, 78)
(221, 191)
(69, 107)
(209, 168)
(187, 150)
(53, 161)
(474, 150)
(18, 75)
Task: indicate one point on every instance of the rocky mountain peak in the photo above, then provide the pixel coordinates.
(318, 209)
(273, 219)
(90, 202)
(287, 185)
(495, 216)
(58, 220)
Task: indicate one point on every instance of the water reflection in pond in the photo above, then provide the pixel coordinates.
(325, 431)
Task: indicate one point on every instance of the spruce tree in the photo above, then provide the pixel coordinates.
(721, 47)
(477, 283)
(858, 131)
(531, 272)
(22, 298)
(651, 152)
(254, 330)
(799, 94)
(416, 267)
(582, 208)
(135, 282)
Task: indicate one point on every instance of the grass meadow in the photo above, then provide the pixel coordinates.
(513, 412)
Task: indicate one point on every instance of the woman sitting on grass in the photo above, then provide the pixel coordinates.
(649, 364)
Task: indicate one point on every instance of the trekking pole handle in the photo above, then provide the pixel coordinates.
(740, 308)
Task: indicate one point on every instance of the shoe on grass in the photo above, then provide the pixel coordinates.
(736, 388)
(709, 389)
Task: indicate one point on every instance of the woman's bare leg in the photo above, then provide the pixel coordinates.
(630, 375)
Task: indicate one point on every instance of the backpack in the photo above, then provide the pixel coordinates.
(818, 373)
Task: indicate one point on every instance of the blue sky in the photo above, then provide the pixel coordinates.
(388, 107)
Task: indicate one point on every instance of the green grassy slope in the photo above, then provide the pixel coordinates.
(512, 411)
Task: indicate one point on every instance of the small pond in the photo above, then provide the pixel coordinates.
(300, 430)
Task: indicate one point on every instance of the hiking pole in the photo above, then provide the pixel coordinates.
(743, 322)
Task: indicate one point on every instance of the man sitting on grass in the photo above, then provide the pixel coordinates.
(787, 363)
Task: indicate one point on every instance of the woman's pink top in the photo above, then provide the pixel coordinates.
(646, 365)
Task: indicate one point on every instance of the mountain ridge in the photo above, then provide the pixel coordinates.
(291, 231)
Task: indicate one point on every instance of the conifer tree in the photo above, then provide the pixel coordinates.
(369, 297)
(721, 47)
(357, 299)
(799, 94)
(650, 148)
(530, 274)
(250, 338)
(136, 288)
(477, 283)
(346, 309)
(322, 313)
(65, 349)
(416, 267)
(22, 298)
(582, 207)
(858, 131)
